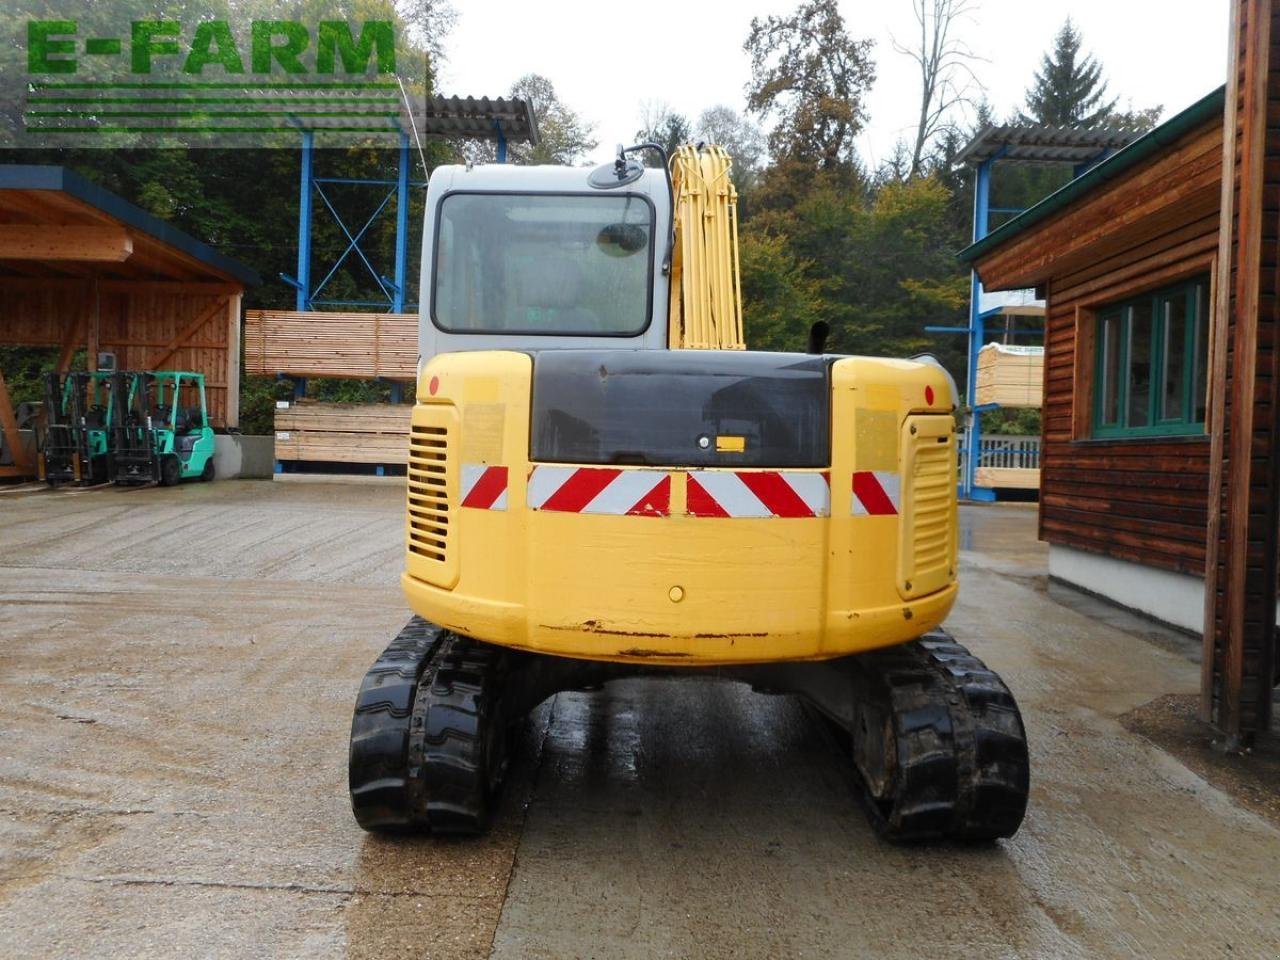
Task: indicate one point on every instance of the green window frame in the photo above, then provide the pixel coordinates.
(1151, 354)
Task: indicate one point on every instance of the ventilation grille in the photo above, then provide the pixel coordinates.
(430, 452)
(927, 562)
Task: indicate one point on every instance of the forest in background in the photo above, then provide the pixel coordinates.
(871, 252)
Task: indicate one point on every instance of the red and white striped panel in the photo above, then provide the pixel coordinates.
(601, 490)
(877, 493)
(759, 493)
(483, 487)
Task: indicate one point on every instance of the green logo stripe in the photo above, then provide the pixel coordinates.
(180, 129)
(329, 101)
(231, 114)
(368, 85)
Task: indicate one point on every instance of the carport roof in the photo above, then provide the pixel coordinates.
(481, 118)
(56, 195)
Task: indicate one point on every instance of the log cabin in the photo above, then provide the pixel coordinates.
(1126, 258)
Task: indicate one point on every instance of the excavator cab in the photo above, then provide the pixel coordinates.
(602, 481)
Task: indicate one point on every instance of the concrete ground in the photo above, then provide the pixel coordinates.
(177, 669)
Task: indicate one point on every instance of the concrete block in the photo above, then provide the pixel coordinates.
(246, 457)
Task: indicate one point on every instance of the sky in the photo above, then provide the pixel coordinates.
(608, 60)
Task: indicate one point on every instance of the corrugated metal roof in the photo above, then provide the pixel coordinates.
(478, 118)
(1034, 143)
(1201, 112)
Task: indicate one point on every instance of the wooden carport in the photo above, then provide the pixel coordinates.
(81, 268)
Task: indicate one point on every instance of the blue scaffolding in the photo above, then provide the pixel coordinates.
(1024, 144)
(392, 289)
(469, 118)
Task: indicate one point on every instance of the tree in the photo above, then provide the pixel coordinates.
(661, 125)
(780, 300)
(563, 135)
(741, 139)
(1068, 89)
(808, 73)
(946, 72)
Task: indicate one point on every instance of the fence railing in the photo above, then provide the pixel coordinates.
(1013, 453)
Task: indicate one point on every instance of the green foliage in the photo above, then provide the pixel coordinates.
(877, 266)
(665, 128)
(809, 73)
(1069, 90)
(563, 135)
(1012, 423)
(24, 369)
(780, 300)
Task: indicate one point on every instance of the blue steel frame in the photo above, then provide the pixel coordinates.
(311, 186)
(393, 288)
(977, 332)
(977, 329)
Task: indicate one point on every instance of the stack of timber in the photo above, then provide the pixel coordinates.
(342, 437)
(1011, 376)
(361, 346)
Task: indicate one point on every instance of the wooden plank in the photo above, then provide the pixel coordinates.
(331, 344)
(232, 412)
(343, 433)
(67, 349)
(1010, 378)
(1011, 478)
(47, 283)
(40, 241)
(161, 357)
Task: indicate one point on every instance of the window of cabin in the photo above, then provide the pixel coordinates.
(1151, 357)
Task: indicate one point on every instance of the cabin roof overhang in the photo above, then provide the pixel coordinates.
(75, 228)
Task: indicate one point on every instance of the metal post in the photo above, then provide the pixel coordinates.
(402, 226)
(973, 437)
(304, 222)
(502, 142)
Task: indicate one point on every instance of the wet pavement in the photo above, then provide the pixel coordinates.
(176, 675)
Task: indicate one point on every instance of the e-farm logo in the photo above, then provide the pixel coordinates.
(215, 77)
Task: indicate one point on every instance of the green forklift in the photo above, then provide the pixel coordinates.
(162, 434)
(78, 413)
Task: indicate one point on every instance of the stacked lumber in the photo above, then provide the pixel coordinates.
(1014, 478)
(328, 344)
(1010, 376)
(375, 433)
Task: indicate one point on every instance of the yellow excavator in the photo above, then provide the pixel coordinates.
(603, 482)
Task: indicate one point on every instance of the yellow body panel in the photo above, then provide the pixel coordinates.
(682, 589)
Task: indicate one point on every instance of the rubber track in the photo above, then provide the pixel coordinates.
(428, 736)
(383, 795)
(464, 735)
(962, 770)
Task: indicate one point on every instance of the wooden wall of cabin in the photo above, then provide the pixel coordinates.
(148, 327)
(1143, 500)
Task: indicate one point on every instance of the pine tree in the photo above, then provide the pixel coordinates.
(1068, 90)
